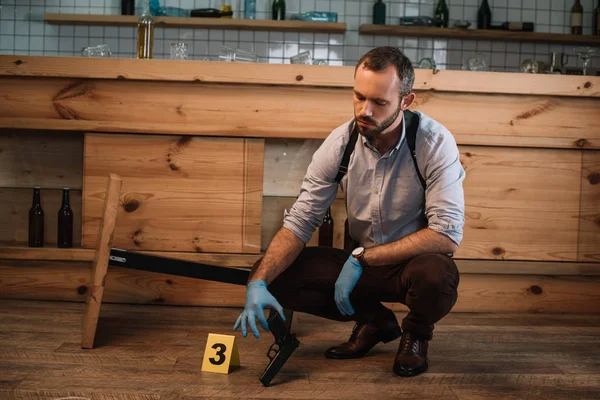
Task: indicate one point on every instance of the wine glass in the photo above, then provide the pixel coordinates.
(585, 55)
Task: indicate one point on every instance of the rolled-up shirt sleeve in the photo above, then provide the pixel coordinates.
(318, 190)
(444, 197)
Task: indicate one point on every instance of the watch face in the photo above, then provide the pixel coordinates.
(357, 251)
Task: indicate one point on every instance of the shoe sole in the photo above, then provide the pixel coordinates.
(397, 333)
(404, 372)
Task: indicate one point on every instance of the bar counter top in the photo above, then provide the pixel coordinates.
(211, 98)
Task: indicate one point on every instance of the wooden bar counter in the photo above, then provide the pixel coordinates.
(211, 154)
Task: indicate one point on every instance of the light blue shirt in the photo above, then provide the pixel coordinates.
(385, 200)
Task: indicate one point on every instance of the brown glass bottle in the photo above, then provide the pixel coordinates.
(326, 230)
(36, 220)
(577, 18)
(64, 237)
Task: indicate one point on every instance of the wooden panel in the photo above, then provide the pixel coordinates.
(477, 293)
(515, 199)
(290, 75)
(271, 111)
(14, 220)
(520, 203)
(37, 158)
(200, 23)
(589, 221)
(179, 194)
(522, 117)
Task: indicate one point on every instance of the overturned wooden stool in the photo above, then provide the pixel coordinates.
(106, 255)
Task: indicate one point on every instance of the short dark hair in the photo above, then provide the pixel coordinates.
(380, 58)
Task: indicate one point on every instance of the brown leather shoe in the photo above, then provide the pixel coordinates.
(411, 358)
(364, 337)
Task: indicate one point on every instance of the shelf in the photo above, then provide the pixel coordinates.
(46, 253)
(472, 266)
(50, 253)
(205, 23)
(477, 34)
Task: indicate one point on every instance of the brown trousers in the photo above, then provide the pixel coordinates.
(426, 284)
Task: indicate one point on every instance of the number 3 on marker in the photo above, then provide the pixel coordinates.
(221, 352)
(221, 349)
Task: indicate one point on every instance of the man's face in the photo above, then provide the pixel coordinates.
(376, 100)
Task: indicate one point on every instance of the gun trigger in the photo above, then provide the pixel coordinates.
(274, 349)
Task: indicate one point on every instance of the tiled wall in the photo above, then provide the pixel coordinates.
(23, 32)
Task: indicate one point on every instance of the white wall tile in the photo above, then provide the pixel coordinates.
(548, 15)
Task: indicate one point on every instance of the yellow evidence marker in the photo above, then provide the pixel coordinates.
(221, 352)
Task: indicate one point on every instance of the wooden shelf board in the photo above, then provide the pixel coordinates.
(477, 34)
(466, 266)
(205, 23)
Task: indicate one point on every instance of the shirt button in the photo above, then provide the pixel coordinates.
(376, 191)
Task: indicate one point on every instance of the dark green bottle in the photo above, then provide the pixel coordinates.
(379, 13)
(441, 14)
(36, 221)
(278, 9)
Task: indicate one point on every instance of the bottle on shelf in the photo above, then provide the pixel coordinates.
(441, 14)
(127, 7)
(64, 237)
(577, 18)
(145, 32)
(379, 13)
(36, 220)
(596, 22)
(515, 26)
(326, 230)
(484, 16)
(250, 9)
(278, 10)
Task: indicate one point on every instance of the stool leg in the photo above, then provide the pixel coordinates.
(100, 267)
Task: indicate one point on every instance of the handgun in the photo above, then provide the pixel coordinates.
(281, 350)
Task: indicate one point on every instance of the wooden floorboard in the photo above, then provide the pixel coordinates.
(156, 352)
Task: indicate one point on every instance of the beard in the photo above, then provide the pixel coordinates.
(378, 127)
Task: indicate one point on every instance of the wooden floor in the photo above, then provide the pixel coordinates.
(155, 352)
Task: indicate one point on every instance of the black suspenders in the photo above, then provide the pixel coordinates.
(411, 121)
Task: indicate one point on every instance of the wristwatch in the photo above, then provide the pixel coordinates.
(359, 255)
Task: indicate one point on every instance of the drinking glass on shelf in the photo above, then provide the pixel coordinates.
(585, 54)
(179, 51)
(302, 58)
(427, 63)
(529, 66)
(476, 63)
(101, 50)
(237, 55)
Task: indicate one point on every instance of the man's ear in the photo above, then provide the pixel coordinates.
(407, 101)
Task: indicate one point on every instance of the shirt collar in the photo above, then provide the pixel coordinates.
(396, 147)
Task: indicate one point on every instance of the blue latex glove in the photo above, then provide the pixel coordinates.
(257, 298)
(346, 281)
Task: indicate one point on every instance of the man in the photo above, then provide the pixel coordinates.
(405, 230)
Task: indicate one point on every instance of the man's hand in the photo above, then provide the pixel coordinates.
(346, 281)
(257, 298)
